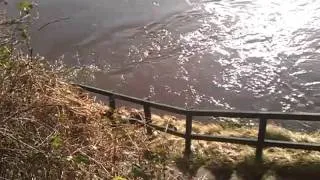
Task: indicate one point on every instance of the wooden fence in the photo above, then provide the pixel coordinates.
(263, 117)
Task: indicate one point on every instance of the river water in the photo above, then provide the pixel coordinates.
(228, 54)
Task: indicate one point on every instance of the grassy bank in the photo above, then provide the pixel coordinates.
(225, 160)
(50, 129)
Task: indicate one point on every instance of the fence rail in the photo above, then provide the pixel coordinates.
(263, 117)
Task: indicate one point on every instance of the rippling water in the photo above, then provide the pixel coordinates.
(244, 55)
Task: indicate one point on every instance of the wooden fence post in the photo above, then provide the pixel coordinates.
(147, 116)
(112, 103)
(187, 151)
(261, 137)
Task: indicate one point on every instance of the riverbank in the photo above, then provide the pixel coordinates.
(50, 129)
(234, 159)
(48, 122)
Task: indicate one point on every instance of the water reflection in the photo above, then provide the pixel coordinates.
(248, 55)
(257, 43)
(257, 55)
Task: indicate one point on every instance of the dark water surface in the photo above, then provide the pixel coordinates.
(228, 54)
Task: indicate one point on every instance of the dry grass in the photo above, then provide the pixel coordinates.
(278, 133)
(52, 130)
(224, 158)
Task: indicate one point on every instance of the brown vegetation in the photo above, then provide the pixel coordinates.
(50, 129)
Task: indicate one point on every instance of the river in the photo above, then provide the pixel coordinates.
(259, 55)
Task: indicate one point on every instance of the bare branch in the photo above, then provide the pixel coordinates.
(52, 22)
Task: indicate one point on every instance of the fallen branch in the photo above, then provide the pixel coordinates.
(52, 22)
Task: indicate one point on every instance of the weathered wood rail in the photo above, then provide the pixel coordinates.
(263, 117)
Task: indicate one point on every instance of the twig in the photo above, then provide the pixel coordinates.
(96, 161)
(14, 138)
(135, 144)
(46, 139)
(114, 149)
(23, 111)
(15, 21)
(16, 113)
(52, 22)
(35, 121)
